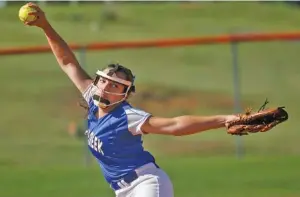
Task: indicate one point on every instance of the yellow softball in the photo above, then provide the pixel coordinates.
(23, 13)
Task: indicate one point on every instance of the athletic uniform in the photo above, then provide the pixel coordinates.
(115, 140)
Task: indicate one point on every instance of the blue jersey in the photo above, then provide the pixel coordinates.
(115, 139)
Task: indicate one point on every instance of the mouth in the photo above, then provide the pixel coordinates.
(100, 99)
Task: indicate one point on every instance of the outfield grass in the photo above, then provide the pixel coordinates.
(214, 177)
(38, 157)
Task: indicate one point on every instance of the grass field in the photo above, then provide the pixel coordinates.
(39, 158)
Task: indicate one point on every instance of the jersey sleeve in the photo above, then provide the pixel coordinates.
(89, 92)
(136, 118)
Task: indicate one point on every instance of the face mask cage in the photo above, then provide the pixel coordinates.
(104, 103)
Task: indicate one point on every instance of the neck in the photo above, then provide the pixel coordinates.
(103, 111)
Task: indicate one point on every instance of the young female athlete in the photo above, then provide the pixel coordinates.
(115, 127)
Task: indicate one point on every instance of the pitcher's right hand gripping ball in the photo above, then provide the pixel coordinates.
(24, 13)
(32, 15)
(261, 121)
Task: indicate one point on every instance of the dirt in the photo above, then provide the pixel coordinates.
(164, 100)
(161, 101)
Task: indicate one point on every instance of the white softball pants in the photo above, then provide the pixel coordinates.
(151, 182)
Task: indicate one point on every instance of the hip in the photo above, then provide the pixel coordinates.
(150, 181)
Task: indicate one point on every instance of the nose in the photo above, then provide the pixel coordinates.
(104, 87)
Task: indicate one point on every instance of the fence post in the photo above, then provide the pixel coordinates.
(3, 3)
(82, 61)
(237, 93)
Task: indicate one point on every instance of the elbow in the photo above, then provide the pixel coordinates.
(178, 129)
(176, 133)
(169, 132)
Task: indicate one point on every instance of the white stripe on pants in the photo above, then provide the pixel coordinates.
(151, 182)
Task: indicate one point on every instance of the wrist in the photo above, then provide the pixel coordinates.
(230, 118)
(46, 27)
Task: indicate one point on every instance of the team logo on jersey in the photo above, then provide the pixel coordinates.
(94, 142)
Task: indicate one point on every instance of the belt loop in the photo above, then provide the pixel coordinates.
(120, 184)
(131, 176)
(123, 182)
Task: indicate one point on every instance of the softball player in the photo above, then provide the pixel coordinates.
(115, 128)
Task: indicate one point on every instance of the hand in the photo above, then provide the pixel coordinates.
(230, 118)
(41, 20)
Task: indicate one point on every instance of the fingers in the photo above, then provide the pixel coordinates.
(33, 13)
(39, 15)
(240, 134)
(30, 23)
(246, 129)
(36, 14)
(33, 5)
(236, 129)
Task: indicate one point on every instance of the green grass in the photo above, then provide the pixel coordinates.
(215, 176)
(38, 158)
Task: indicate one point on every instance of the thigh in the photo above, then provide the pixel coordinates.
(157, 185)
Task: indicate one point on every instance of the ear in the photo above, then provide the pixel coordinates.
(132, 89)
(129, 94)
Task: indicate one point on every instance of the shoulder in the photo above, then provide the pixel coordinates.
(131, 111)
(134, 112)
(135, 118)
